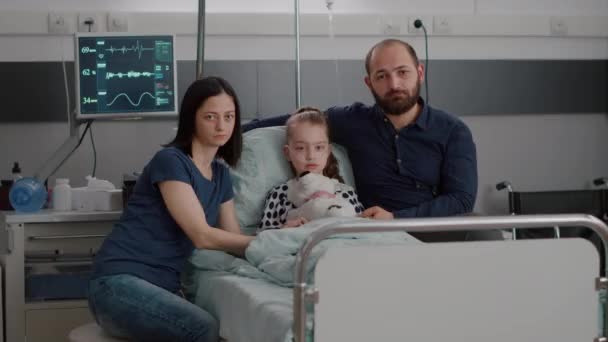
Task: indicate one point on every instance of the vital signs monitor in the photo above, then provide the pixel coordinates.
(122, 76)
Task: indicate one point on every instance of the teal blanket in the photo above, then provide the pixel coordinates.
(271, 255)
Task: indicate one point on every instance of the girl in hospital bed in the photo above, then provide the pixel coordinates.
(308, 149)
(182, 200)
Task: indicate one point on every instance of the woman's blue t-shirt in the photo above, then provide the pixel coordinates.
(147, 242)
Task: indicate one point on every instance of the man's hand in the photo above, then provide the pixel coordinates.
(294, 223)
(377, 213)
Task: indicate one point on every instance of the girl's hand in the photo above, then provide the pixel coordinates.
(294, 223)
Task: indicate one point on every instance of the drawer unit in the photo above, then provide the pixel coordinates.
(46, 259)
(71, 239)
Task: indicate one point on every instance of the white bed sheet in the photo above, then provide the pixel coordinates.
(249, 310)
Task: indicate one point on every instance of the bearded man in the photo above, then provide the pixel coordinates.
(409, 160)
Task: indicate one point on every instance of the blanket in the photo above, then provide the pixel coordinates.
(271, 255)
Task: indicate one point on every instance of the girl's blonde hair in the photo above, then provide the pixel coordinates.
(316, 117)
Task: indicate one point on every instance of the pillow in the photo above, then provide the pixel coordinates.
(263, 166)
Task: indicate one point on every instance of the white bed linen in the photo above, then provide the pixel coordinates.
(249, 310)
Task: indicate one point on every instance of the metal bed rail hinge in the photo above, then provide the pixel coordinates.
(601, 283)
(311, 295)
(600, 339)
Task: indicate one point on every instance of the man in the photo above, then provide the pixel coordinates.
(409, 160)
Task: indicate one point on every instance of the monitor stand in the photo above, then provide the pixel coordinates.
(61, 154)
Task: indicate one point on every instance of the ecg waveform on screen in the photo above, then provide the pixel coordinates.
(134, 104)
(129, 74)
(134, 48)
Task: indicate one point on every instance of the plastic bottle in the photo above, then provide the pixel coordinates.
(16, 171)
(27, 195)
(62, 195)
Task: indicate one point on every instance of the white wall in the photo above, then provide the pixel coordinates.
(241, 6)
(477, 29)
(537, 153)
(526, 7)
(532, 151)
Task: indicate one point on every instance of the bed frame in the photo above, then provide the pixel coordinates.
(524, 290)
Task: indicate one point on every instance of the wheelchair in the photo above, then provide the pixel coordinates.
(591, 201)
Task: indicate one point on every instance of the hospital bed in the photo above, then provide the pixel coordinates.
(524, 290)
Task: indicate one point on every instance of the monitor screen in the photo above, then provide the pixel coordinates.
(122, 76)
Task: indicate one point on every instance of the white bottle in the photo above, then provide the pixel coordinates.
(62, 195)
(16, 172)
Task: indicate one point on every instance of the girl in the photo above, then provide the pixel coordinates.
(181, 201)
(307, 149)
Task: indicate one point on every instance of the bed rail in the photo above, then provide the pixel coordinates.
(467, 223)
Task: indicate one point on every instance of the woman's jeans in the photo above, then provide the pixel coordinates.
(129, 307)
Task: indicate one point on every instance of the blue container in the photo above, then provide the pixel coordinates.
(27, 195)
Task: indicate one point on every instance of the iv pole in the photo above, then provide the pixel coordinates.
(200, 41)
(200, 51)
(297, 34)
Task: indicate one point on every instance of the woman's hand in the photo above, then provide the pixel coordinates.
(294, 223)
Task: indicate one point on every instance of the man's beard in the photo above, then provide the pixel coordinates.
(398, 106)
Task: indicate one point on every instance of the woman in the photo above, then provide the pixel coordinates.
(182, 197)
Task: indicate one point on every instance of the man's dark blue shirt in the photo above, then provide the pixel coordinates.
(428, 168)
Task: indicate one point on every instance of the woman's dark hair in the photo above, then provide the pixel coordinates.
(195, 97)
(314, 116)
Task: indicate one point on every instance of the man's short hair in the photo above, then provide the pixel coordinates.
(388, 42)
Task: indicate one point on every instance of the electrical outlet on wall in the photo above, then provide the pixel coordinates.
(426, 21)
(558, 25)
(391, 29)
(118, 22)
(58, 23)
(442, 25)
(89, 22)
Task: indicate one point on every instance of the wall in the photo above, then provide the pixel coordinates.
(525, 7)
(537, 151)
